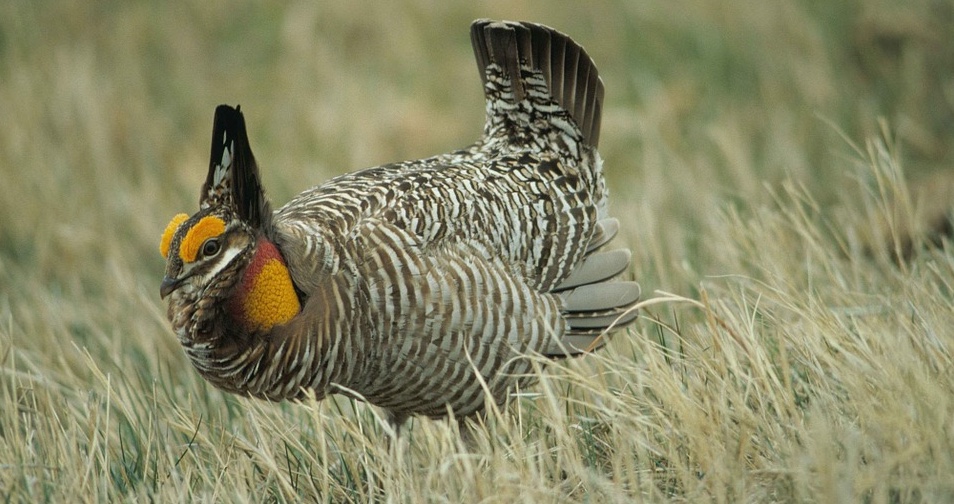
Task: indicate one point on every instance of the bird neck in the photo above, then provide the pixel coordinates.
(265, 296)
(264, 343)
(288, 358)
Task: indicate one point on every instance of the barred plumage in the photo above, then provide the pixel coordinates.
(419, 285)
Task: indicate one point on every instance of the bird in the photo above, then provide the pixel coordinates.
(425, 287)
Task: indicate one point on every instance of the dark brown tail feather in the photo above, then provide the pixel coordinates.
(569, 72)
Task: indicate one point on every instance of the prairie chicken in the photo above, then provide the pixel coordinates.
(419, 286)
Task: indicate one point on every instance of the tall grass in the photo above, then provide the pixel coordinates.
(767, 161)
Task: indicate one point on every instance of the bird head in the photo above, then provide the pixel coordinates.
(200, 247)
(233, 213)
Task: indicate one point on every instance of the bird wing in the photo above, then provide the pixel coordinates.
(434, 318)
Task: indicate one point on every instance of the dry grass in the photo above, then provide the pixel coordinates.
(798, 362)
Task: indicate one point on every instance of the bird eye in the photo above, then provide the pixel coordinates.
(210, 247)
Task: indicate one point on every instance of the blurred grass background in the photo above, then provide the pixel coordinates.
(769, 161)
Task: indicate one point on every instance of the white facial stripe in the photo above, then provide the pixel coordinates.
(222, 261)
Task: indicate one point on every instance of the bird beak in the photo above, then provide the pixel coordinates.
(168, 285)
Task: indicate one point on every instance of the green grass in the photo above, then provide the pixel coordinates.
(769, 161)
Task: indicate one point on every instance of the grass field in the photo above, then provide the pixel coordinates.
(770, 162)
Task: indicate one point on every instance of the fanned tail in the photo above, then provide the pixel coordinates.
(525, 61)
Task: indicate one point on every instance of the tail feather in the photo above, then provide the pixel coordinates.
(570, 75)
(596, 267)
(605, 231)
(603, 320)
(600, 296)
(591, 312)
